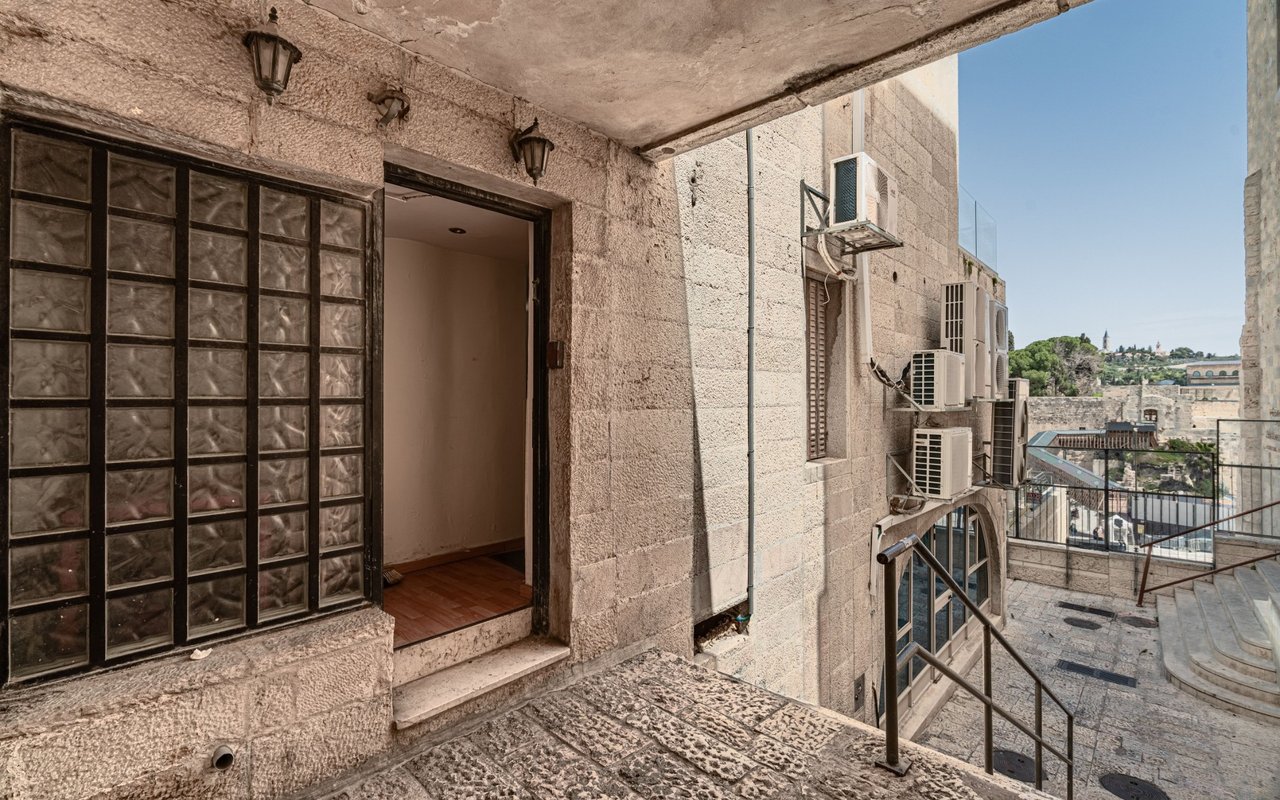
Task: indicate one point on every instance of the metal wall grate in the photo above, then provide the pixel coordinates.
(924, 381)
(818, 299)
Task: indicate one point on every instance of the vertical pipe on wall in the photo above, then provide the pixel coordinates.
(745, 619)
(862, 261)
(750, 374)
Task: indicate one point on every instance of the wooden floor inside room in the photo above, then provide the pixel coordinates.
(443, 598)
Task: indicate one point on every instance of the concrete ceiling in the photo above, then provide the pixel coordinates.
(664, 76)
(427, 219)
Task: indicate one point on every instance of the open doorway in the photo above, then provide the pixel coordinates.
(459, 391)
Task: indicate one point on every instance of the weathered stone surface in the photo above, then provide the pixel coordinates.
(621, 746)
(459, 769)
(658, 776)
(555, 771)
(584, 727)
(394, 784)
(1153, 731)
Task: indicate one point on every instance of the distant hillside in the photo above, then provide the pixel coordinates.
(1073, 366)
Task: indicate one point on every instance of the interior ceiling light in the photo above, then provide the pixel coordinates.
(273, 56)
(532, 148)
(458, 230)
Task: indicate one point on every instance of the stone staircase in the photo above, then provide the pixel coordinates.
(1219, 639)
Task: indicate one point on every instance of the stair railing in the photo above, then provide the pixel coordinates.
(894, 661)
(1144, 590)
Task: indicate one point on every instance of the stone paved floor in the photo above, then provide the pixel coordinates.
(658, 726)
(1155, 731)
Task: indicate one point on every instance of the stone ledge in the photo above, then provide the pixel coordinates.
(434, 694)
(38, 708)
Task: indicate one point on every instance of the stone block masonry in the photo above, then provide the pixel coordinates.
(659, 727)
(647, 447)
(295, 706)
(815, 519)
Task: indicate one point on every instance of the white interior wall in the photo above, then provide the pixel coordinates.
(454, 400)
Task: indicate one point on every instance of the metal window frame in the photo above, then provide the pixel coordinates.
(944, 601)
(97, 531)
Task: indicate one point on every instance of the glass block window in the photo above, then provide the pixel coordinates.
(186, 402)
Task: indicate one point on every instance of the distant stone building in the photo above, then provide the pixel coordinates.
(1178, 412)
(1213, 373)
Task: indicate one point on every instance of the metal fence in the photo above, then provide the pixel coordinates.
(1249, 474)
(1112, 500)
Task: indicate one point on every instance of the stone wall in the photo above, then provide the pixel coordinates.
(647, 447)
(815, 519)
(1184, 412)
(177, 75)
(1260, 339)
(1119, 574)
(295, 706)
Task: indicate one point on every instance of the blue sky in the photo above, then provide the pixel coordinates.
(1109, 146)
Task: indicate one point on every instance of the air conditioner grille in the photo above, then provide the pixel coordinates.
(953, 318)
(844, 208)
(1001, 378)
(923, 378)
(929, 464)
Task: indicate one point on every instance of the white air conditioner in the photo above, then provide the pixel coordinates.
(966, 318)
(1010, 423)
(998, 330)
(862, 193)
(942, 462)
(937, 380)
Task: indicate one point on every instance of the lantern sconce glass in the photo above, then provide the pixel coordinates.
(531, 148)
(273, 57)
(391, 103)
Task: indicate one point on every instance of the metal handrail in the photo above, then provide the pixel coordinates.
(1146, 562)
(893, 760)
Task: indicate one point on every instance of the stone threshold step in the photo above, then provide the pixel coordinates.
(438, 692)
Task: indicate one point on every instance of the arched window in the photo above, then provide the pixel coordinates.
(928, 610)
(1208, 373)
(1235, 372)
(1195, 374)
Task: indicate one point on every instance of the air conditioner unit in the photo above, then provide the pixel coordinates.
(966, 318)
(942, 462)
(1010, 423)
(998, 330)
(937, 380)
(862, 194)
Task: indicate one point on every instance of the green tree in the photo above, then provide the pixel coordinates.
(1063, 365)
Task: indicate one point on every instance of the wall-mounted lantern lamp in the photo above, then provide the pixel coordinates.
(273, 56)
(531, 147)
(391, 103)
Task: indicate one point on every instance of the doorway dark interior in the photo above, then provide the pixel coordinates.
(463, 408)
